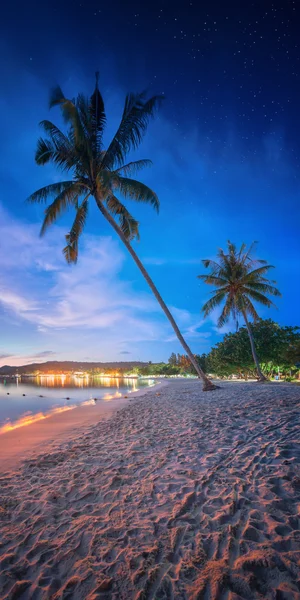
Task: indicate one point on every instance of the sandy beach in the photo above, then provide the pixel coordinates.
(180, 494)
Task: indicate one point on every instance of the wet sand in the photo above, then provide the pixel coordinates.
(179, 495)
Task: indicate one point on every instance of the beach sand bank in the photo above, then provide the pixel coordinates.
(179, 495)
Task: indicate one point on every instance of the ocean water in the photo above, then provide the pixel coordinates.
(32, 396)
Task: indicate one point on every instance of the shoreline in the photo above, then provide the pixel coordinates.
(24, 442)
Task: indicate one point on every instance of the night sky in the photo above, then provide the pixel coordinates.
(226, 154)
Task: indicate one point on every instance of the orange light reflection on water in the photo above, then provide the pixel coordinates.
(112, 396)
(30, 419)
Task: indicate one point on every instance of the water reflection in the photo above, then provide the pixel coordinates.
(79, 381)
(28, 399)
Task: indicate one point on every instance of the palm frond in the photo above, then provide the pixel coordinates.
(258, 297)
(128, 225)
(134, 166)
(264, 288)
(44, 151)
(213, 302)
(242, 250)
(212, 264)
(231, 248)
(246, 259)
(136, 116)
(62, 156)
(67, 197)
(71, 249)
(70, 114)
(97, 117)
(137, 191)
(56, 135)
(259, 272)
(228, 310)
(246, 305)
(56, 96)
(213, 280)
(82, 105)
(54, 189)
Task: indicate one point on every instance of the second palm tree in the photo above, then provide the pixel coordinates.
(239, 280)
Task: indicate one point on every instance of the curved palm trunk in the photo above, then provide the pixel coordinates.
(261, 376)
(207, 384)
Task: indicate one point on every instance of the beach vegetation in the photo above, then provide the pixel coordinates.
(277, 347)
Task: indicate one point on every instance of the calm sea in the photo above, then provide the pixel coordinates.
(31, 396)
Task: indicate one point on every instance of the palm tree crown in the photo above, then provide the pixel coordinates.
(239, 280)
(95, 171)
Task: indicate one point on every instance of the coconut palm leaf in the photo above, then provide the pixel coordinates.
(137, 191)
(133, 167)
(129, 226)
(54, 189)
(212, 264)
(213, 302)
(260, 271)
(71, 249)
(67, 197)
(228, 309)
(218, 281)
(135, 119)
(258, 297)
(97, 117)
(46, 152)
(245, 304)
(70, 114)
(57, 136)
(262, 287)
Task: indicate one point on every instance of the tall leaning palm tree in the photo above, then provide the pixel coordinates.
(239, 280)
(100, 173)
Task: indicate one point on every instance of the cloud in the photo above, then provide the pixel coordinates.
(16, 303)
(125, 352)
(44, 354)
(5, 356)
(156, 261)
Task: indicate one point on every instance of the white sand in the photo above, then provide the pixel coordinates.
(179, 495)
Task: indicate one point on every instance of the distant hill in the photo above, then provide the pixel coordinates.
(68, 365)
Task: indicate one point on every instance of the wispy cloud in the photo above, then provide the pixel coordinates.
(156, 261)
(44, 354)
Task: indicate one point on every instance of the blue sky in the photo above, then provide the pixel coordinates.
(239, 183)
